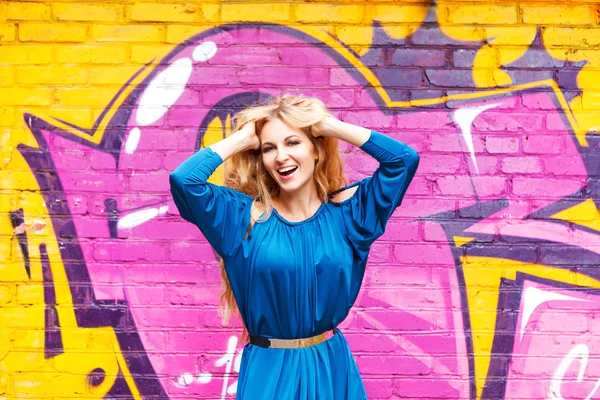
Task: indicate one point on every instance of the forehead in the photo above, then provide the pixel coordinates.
(276, 130)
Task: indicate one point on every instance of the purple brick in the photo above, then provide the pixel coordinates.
(463, 58)
(450, 78)
(399, 77)
(419, 57)
(432, 37)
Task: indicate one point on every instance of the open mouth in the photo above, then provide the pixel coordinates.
(287, 171)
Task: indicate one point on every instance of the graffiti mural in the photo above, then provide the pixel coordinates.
(484, 286)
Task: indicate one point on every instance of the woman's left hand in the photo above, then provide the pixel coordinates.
(324, 127)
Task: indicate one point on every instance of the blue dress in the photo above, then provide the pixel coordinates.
(296, 279)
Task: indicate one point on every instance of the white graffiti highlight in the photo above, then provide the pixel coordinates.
(227, 361)
(205, 51)
(581, 352)
(133, 139)
(533, 298)
(231, 360)
(139, 217)
(464, 118)
(164, 90)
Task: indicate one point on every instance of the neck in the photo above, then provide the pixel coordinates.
(300, 204)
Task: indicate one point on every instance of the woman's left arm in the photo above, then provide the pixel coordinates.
(377, 196)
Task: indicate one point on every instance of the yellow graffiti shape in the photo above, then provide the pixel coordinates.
(89, 360)
(482, 282)
(508, 29)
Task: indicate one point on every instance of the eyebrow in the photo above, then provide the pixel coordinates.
(291, 136)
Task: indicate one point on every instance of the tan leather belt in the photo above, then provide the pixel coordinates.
(291, 343)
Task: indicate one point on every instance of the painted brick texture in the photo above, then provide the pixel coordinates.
(485, 283)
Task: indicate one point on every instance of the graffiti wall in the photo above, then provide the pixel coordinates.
(486, 284)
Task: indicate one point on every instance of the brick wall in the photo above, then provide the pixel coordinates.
(485, 283)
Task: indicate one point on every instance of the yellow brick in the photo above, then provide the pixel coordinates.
(179, 33)
(24, 11)
(52, 74)
(87, 12)
(482, 15)
(560, 15)
(145, 53)
(7, 116)
(53, 32)
(126, 33)
(99, 54)
(26, 97)
(113, 76)
(211, 12)
(166, 12)
(86, 96)
(325, 13)
(255, 12)
(79, 116)
(7, 292)
(29, 293)
(397, 14)
(7, 32)
(7, 75)
(572, 37)
(18, 54)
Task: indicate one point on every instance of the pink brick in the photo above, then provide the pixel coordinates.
(462, 185)
(380, 252)
(556, 122)
(545, 187)
(139, 161)
(431, 388)
(421, 254)
(521, 165)
(379, 388)
(508, 121)
(569, 166)
(502, 145)
(215, 76)
(401, 231)
(401, 365)
(131, 251)
(151, 182)
(190, 295)
(191, 251)
(543, 144)
(433, 120)
(372, 119)
(395, 276)
(434, 164)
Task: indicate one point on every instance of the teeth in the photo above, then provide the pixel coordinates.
(286, 169)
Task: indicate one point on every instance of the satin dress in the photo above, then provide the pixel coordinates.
(296, 279)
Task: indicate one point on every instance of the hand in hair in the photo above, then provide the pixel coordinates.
(249, 131)
(324, 127)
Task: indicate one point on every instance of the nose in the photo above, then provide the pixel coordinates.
(282, 155)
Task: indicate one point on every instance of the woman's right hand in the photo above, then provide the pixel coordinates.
(249, 133)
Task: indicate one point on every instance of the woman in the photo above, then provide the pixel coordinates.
(294, 245)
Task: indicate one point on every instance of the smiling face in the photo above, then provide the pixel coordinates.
(288, 155)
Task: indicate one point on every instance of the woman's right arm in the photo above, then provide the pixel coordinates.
(221, 213)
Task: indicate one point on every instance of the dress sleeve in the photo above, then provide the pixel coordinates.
(377, 196)
(221, 213)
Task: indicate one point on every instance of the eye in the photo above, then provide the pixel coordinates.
(267, 149)
(294, 142)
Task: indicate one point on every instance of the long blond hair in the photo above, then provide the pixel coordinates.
(246, 173)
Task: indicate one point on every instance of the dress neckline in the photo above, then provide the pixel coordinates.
(304, 221)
